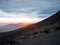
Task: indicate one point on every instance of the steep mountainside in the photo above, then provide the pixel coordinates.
(51, 20)
(48, 25)
(54, 19)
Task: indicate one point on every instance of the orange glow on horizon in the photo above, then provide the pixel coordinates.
(24, 23)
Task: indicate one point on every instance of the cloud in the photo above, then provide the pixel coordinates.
(29, 5)
(23, 15)
(4, 14)
(16, 17)
(38, 9)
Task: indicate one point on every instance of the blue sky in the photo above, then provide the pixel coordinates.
(37, 9)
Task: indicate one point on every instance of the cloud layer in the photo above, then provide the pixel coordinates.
(31, 8)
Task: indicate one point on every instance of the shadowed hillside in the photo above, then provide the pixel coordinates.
(51, 20)
(46, 26)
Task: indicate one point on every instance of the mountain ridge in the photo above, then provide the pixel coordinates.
(31, 28)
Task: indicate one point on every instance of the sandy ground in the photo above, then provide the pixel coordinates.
(45, 39)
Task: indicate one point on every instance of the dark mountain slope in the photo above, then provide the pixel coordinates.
(54, 19)
(51, 20)
(12, 35)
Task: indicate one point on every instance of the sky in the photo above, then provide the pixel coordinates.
(36, 10)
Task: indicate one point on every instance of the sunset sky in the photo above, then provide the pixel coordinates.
(27, 10)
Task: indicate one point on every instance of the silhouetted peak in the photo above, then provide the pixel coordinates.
(58, 12)
(55, 18)
(57, 15)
